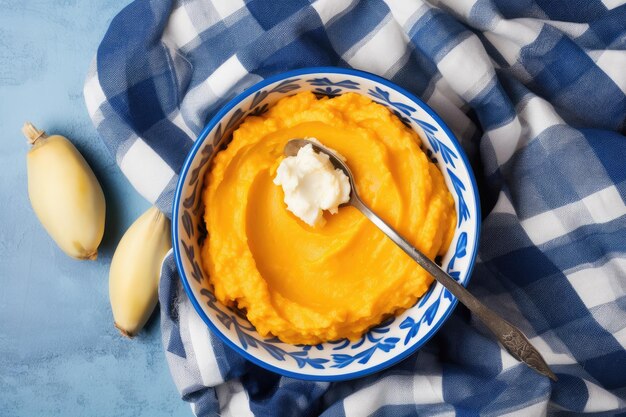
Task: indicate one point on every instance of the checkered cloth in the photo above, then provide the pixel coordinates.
(536, 92)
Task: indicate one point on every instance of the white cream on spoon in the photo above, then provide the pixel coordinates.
(311, 184)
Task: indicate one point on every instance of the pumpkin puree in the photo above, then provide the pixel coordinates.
(309, 285)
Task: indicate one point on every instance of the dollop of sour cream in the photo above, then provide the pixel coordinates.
(311, 184)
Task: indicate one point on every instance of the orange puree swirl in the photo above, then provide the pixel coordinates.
(308, 284)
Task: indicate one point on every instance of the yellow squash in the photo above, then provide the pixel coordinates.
(64, 193)
(135, 270)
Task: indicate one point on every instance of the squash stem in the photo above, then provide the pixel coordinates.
(32, 133)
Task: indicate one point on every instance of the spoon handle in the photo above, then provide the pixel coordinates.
(509, 336)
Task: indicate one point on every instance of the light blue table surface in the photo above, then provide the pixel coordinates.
(59, 352)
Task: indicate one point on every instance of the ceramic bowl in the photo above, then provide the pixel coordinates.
(385, 344)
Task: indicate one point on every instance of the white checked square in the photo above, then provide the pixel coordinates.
(202, 349)
(145, 170)
(599, 285)
(538, 409)
(573, 30)
(427, 389)
(613, 63)
(180, 122)
(94, 96)
(620, 336)
(228, 7)
(367, 400)
(538, 115)
(611, 4)
(549, 354)
(544, 227)
(226, 76)
(443, 86)
(510, 36)
(503, 205)
(403, 10)
(180, 29)
(477, 68)
(464, 7)
(233, 399)
(382, 51)
(507, 360)
(331, 9)
(505, 140)
(600, 207)
(454, 117)
(605, 205)
(600, 399)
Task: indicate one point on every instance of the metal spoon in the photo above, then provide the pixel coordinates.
(510, 336)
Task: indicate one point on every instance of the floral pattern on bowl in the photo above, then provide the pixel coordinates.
(390, 341)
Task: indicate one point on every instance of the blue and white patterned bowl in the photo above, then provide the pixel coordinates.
(390, 341)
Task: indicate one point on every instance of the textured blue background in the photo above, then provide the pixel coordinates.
(59, 352)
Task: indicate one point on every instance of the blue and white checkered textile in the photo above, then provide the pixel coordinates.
(536, 92)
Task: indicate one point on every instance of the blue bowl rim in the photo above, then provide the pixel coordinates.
(183, 175)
